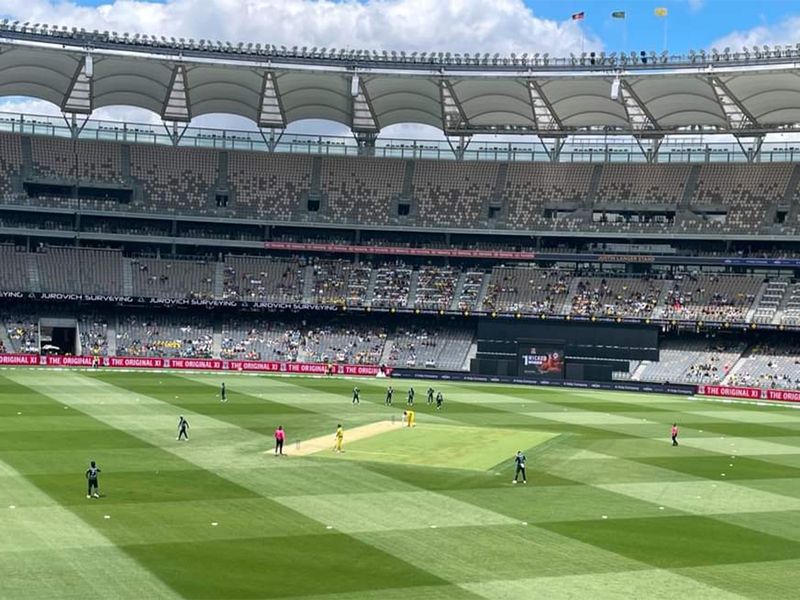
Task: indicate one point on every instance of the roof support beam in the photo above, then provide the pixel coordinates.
(274, 138)
(78, 99)
(735, 112)
(454, 119)
(270, 109)
(362, 115)
(543, 114)
(554, 150)
(75, 124)
(751, 151)
(459, 144)
(649, 151)
(366, 142)
(175, 131)
(639, 116)
(176, 103)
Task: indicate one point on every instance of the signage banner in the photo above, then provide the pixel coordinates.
(198, 364)
(748, 393)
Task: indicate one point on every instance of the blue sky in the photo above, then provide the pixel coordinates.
(691, 23)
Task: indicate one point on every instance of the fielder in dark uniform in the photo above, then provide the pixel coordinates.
(410, 398)
(91, 476)
(183, 429)
(439, 400)
(223, 394)
(519, 463)
(389, 394)
(430, 395)
(356, 396)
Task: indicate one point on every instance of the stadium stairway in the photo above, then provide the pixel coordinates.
(4, 339)
(661, 305)
(484, 290)
(386, 354)
(111, 336)
(573, 290)
(216, 340)
(594, 184)
(768, 300)
(34, 280)
(127, 277)
(737, 366)
(219, 279)
(412, 288)
(690, 187)
(748, 317)
(459, 289)
(308, 285)
(787, 296)
(370, 295)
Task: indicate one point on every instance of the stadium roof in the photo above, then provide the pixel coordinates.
(744, 93)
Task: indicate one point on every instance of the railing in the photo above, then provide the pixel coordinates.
(683, 148)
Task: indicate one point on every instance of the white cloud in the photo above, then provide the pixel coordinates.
(784, 32)
(504, 26)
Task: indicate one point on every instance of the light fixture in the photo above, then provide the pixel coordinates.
(615, 88)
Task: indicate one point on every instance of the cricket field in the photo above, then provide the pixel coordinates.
(611, 509)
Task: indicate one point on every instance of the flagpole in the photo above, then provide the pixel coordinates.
(666, 20)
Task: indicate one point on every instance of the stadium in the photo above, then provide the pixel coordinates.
(601, 251)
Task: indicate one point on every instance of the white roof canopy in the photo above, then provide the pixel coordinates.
(743, 99)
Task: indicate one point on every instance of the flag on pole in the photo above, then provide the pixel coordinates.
(618, 14)
(578, 16)
(661, 12)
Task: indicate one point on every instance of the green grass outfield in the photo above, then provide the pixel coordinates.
(611, 510)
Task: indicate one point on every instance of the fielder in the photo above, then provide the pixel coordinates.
(519, 463)
(91, 476)
(337, 444)
(389, 394)
(439, 400)
(356, 396)
(410, 398)
(223, 394)
(430, 395)
(183, 429)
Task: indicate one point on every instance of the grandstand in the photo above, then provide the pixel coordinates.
(636, 243)
(408, 246)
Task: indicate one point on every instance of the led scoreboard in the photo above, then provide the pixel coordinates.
(540, 359)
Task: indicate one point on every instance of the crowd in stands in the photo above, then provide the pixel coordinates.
(165, 337)
(392, 285)
(711, 297)
(609, 297)
(93, 330)
(673, 198)
(527, 290)
(769, 366)
(23, 333)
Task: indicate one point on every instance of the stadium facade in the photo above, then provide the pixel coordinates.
(617, 231)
